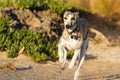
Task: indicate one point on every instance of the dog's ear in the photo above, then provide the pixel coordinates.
(66, 12)
(77, 14)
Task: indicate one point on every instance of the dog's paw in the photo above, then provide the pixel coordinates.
(70, 66)
(76, 75)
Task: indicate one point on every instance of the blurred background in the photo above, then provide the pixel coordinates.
(109, 9)
(45, 17)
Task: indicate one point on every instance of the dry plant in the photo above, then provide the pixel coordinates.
(114, 10)
(105, 8)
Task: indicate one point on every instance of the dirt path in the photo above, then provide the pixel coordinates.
(100, 64)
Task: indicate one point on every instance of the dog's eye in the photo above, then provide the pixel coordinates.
(65, 18)
(73, 18)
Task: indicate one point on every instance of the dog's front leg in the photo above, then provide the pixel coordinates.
(76, 53)
(61, 53)
(64, 58)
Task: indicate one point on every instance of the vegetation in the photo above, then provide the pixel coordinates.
(106, 8)
(55, 5)
(13, 40)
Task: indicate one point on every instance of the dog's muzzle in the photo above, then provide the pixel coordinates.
(68, 26)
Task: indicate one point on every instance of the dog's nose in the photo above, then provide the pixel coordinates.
(68, 26)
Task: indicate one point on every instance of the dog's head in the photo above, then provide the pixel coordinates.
(70, 19)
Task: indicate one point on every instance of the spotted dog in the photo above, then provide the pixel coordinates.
(74, 36)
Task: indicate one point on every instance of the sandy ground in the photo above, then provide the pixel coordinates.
(101, 63)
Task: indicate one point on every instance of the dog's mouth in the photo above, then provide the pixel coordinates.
(71, 28)
(69, 31)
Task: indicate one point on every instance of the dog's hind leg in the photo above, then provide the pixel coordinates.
(76, 53)
(81, 58)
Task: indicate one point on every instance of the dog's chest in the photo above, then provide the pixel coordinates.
(72, 43)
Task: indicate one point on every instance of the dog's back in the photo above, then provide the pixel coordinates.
(82, 27)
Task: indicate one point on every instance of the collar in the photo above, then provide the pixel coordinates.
(71, 31)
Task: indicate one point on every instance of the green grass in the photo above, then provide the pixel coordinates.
(21, 3)
(12, 40)
(58, 6)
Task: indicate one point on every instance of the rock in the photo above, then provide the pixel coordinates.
(98, 36)
(45, 22)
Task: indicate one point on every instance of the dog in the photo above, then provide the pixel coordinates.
(74, 36)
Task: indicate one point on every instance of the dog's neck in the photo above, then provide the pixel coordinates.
(73, 34)
(73, 30)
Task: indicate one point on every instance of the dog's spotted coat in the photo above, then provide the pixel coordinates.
(74, 36)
